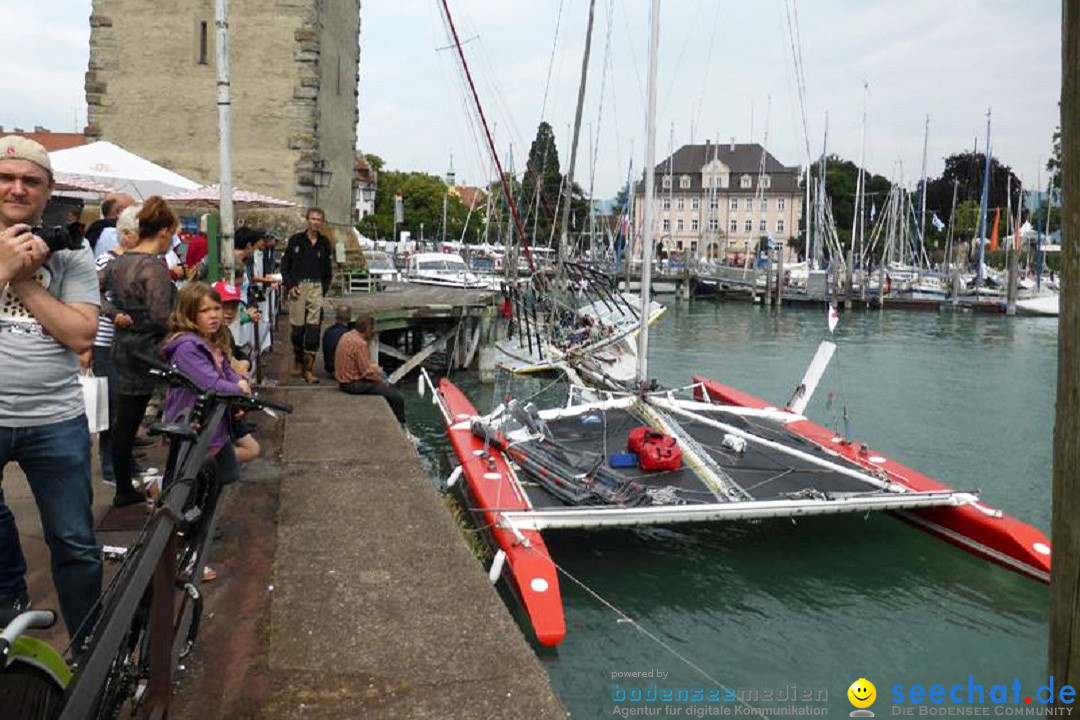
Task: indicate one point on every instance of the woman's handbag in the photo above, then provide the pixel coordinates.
(96, 398)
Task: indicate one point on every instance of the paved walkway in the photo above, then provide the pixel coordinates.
(344, 588)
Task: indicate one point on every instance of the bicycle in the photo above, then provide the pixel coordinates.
(140, 632)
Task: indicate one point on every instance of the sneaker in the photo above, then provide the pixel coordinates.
(11, 606)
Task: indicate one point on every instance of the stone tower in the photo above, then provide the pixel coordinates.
(152, 79)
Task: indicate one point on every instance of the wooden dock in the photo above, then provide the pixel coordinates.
(413, 321)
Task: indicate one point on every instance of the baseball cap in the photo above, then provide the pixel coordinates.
(17, 147)
(227, 291)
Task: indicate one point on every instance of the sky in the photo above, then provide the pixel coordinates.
(726, 70)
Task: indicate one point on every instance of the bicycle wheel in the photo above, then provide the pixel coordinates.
(32, 684)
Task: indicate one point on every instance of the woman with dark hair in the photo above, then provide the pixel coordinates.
(141, 288)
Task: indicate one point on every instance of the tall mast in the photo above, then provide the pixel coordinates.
(650, 186)
(490, 140)
(569, 187)
(983, 203)
(922, 192)
(859, 190)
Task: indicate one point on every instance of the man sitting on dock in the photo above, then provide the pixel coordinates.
(332, 336)
(357, 374)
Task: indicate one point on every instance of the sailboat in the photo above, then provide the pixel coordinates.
(705, 453)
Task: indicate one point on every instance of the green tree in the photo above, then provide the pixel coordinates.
(1054, 163)
(422, 196)
(841, 181)
(375, 162)
(540, 184)
(966, 170)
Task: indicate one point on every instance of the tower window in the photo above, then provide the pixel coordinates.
(203, 44)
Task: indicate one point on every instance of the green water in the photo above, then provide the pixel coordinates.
(822, 602)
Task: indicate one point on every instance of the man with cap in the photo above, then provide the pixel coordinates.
(306, 273)
(48, 316)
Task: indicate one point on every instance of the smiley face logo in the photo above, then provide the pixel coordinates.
(862, 694)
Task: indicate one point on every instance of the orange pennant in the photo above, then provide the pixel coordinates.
(994, 232)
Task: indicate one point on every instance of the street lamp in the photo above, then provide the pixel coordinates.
(320, 176)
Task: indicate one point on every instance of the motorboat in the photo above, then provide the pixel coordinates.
(442, 269)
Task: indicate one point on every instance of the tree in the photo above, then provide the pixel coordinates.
(375, 162)
(966, 170)
(841, 179)
(1054, 163)
(422, 196)
(540, 184)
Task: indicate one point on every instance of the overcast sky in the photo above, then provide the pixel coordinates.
(725, 70)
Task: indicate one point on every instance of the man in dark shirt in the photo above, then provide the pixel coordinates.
(306, 273)
(111, 207)
(333, 334)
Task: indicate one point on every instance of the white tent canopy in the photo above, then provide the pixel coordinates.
(211, 195)
(122, 171)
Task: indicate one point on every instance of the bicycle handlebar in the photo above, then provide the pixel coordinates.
(41, 619)
(175, 376)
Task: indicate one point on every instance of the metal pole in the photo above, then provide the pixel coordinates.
(564, 224)
(221, 24)
(650, 185)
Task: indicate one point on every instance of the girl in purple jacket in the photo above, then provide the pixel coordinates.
(197, 348)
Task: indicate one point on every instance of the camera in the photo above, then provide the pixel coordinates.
(57, 238)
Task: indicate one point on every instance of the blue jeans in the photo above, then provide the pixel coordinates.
(56, 461)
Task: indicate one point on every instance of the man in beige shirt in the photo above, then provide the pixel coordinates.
(356, 374)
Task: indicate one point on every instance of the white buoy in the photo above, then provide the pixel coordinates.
(497, 566)
(454, 477)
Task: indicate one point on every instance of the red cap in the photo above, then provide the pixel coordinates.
(227, 291)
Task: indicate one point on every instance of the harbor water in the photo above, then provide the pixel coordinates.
(788, 614)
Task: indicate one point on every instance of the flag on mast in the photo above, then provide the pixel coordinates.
(937, 223)
(994, 232)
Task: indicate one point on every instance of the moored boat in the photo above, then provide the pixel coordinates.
(976, 527)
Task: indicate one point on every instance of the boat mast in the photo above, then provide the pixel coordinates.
(650, 187)
(859, 202)
(983, 203)
(922, 196)
(568, 189)
(491, 142)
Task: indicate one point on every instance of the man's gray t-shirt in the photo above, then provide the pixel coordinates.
(38, 376)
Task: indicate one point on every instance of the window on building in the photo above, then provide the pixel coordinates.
(781, 203)
(678, 245)
(764, 204)
(763, 225)
(714, 204)
(684, 181)
(780, 225)
(766, 181)
(679, 224)
(714, 224)
(667, 203)
(680, 204)
(748, 226)
(733, 226)
(204, 46)
(693, 246)
(666, 182)
(734, 205)
(746, 181)
(694, 225)
(667, 225)
(695, 204)
(749, 203)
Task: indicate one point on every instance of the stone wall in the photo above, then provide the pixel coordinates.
(152, 79)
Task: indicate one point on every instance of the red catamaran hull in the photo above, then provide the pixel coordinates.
(977, 528)
(491, 489)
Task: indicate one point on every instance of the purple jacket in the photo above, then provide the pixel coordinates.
(194, 356)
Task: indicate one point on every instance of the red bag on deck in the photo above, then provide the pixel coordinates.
(639, 436)
(660, 455)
